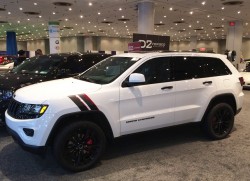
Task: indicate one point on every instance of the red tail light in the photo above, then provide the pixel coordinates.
(242, 82)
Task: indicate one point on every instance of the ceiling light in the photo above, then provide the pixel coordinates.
(35, 4)
(81, 16)
(40, 16)
(98, 13)
(223, 19)
(165, 16)
(171, 9)
(223, 8)
(90, 4)
(120, 9)
(70, 9)
(53, 13)
(9, 12)
(18, 21)
(238, 12)
(21, 9)
(203, 3)
(208, 16)
(191, 12)
(66, 19)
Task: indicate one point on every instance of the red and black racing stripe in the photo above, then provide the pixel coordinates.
(88, 101)
(83, 102)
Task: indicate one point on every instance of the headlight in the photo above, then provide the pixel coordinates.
(26, 111)
(6, 94)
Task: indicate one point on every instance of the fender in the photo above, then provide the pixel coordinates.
(95, 116)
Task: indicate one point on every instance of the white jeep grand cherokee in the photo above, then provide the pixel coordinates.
(125, 94)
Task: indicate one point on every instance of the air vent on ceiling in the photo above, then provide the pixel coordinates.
(62, 4)
(23, 34)
(102, 31)
(68, 28)
(4, 22)
(178, 22)
(31, 13)
(198, 29)
(159, 24)
(123, 19)
(107, 22)
(218, 27)
(181, 31)
(81, 33)
(91, 32)
(232, 3)
(2, 9)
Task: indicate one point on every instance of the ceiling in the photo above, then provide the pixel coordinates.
(179, 19)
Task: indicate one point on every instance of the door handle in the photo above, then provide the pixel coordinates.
(207, 82)
(167, 87)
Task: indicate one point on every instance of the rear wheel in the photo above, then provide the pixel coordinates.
(219, 121)
(79, 146)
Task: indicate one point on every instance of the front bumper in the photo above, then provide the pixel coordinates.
(26, 147)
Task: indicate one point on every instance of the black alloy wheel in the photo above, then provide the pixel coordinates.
(220, 121)
(79, 146)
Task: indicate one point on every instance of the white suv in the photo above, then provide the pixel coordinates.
(125, 94)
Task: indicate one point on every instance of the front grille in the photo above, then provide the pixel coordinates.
(17, 110)
(13, 108)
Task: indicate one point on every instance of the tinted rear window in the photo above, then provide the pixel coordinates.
(198, 67)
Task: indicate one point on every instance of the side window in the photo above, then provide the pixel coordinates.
(198, 67)
(215, 67)
(185, 68)
(71, 64)
(156, 70)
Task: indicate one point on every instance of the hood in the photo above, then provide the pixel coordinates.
(56, 89)
(13, 81)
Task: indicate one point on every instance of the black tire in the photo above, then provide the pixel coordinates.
(219, 121)
(79, 146)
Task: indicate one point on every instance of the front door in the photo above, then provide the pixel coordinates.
(151, 105)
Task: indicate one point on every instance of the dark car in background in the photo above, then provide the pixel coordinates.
(44, 68)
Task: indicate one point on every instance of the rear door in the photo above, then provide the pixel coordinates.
(197, 79)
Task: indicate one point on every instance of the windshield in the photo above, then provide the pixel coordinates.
(38, 65)
(108, 70)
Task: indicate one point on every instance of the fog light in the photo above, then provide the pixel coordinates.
(28, 132)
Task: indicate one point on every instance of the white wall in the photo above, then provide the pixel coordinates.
(113, 44)
(68, 44)
(33, 45)
(246, 48)
(185, 45)
(21, 45)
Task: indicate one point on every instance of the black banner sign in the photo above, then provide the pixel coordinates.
(152, 42)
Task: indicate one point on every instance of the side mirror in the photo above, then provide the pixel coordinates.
(134, 80)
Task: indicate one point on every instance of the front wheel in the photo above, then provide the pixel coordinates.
(219, 121)
(79, 146)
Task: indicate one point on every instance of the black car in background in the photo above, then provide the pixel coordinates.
(44, 68)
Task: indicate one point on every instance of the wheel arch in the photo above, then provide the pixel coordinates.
(222, 98)
(96, 117)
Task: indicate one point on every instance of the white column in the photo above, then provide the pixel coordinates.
(146, 13)
(234, 39)
(193, 42)
(54, 37)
